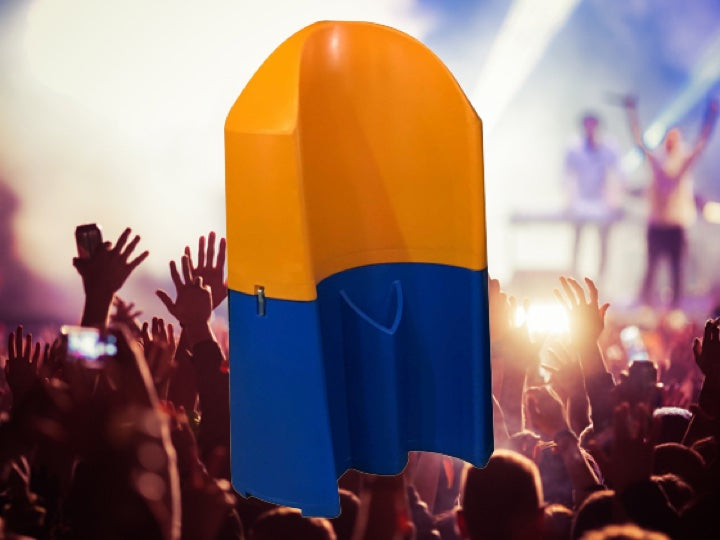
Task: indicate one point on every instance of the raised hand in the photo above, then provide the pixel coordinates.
(52, 359)
(545, 411)
(106, 270)
(587, 318)
(159, 348)
(707, 357)
(707, 351)
(193, 305)
(210, 270)
(500, 315)
(21, 368)
(566, 376)
(127, 315)
(103, 273)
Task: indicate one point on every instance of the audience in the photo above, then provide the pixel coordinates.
(136, 444)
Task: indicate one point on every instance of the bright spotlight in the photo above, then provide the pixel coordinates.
(548, 319)
(528, 28)
(702, 78)
(711, 212)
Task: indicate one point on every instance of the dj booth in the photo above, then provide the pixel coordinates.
(567, 217)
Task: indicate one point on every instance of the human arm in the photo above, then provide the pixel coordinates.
(567, 380)
(502, 346)
(183, 386)
(630, 103)
(627, 466)
(545, 413)
(103, 273)
(587, 321)
(21, 365)
(706, 415)
(705, 131)
(500, 430)
(192, 308)
(207, 503)
(159, 347)
(518, 356)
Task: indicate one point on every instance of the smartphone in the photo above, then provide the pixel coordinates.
(88, 345)
(88, 238)
(643, 373)
(633, 344)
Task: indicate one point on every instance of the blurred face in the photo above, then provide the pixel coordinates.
(672, 140)
(590, 124)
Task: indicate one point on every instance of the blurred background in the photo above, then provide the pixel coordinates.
(113, 112)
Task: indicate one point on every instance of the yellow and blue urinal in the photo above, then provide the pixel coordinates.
(357, 265)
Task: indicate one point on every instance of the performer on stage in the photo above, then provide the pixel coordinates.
(592, 179)
(671, 197)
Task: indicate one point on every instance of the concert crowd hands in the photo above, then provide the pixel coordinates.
(613, 432)
(103, 273)
(566, 376)
(210, 270)
(62, 404)
(587, 318)
(707, 358)
(126, 314)
(193, 304)
(150, 428)
(159, 348)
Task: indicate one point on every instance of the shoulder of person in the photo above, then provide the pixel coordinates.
(610, 148)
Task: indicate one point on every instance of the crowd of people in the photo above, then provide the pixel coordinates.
(591, 441)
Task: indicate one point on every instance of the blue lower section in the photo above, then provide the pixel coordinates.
(389, 358)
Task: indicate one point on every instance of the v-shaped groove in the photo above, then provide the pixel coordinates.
(390, 330)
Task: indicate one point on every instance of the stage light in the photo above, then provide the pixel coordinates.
(525, 33)
(702, 78)
(543, 319)
(711, 212)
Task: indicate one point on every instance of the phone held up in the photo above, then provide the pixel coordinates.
(88, 239)
(88, 346)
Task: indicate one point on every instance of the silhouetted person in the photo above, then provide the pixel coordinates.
(503, 501)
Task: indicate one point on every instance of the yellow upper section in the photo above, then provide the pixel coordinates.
(351, 145)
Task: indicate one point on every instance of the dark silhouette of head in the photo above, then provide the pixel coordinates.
(289, 524)
(590, 123)
(674, 458)
(670, 424)
(503, 501)
(624, 532)
(596, 512)
(557, 522)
